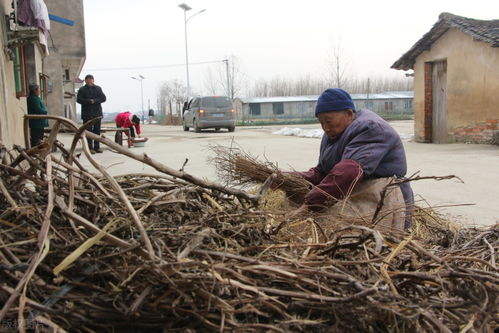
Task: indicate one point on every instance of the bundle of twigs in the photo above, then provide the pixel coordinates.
(84, 252)
(236, 166)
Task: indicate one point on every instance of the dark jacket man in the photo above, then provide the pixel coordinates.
(90, 97)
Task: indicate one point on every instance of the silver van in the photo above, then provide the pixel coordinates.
(209, 112)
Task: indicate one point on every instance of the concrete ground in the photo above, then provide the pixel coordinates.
(476, 201)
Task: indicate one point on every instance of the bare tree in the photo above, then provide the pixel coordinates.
(226, 78)
(162, 98)
(337, 67)
(306, 85)
(171, 98)
(211, 83)
(234, 76)
(278, 86)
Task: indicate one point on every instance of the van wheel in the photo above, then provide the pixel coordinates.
(186, 128)
(217, 129)
(196, 126)
(231, 129)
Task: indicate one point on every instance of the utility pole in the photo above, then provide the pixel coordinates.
(228, 81)
(141, 78)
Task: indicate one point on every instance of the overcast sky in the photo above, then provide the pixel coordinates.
(289, 39)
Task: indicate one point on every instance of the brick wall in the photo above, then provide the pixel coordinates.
(482, 132)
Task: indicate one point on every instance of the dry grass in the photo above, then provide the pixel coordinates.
(239, 168)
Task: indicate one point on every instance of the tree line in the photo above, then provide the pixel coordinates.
(229, 79)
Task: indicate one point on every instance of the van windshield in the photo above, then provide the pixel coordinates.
(216, 102)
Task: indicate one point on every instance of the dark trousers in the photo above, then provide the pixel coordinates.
(36, 136)
(132, 131)
(95, 128)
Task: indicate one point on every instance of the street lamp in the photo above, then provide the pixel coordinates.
(186, 8)
(227, 72)
(140, 79)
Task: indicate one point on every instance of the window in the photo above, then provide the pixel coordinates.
(408, 104)
(42, 82)
(278, 108)
(255, 109)
(194, 103)
(20, 71)
(388, 106)
(216, 102)
(369, 105)
(66, 75)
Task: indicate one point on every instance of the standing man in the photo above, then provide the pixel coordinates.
(90, 96)
(36, 106)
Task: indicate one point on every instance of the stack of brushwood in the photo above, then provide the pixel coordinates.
(87, 252)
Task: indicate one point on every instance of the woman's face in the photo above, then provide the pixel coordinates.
(335, 122)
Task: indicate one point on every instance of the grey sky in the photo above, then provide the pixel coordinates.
(288, 39)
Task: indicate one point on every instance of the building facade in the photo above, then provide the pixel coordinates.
(23, 50)
(387, 104)
(456, 80)
(67, 56)
(38, 50)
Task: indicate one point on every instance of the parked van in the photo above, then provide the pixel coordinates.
(209, 112)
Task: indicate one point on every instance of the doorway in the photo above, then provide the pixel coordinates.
(439, 102)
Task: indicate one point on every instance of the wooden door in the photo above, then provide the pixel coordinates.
(439, 107)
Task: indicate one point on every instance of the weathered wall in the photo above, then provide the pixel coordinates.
(472, 87)
(66, 53)
(12, 109)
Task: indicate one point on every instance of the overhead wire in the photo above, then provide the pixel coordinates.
(151, 67)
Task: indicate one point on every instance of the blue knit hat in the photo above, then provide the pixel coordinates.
(334, 99)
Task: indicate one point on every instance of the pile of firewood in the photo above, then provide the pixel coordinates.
(87, 252)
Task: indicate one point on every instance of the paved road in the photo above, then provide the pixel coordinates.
(476, 165)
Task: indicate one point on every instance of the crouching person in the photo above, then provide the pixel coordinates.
(360, 154)
(131, 122)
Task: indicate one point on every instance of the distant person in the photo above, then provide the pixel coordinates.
(90, 96)
(36, 106)
(131, 122)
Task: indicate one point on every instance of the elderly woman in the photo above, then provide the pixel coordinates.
(360, 154)
(36, 106)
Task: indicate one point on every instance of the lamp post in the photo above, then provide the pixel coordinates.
(140, 79)
(186, 8)
(227, 72)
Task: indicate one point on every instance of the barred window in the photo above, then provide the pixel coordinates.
(255, 109)
(20, 71)
(278, 108)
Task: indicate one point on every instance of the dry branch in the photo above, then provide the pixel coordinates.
(216, 266)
